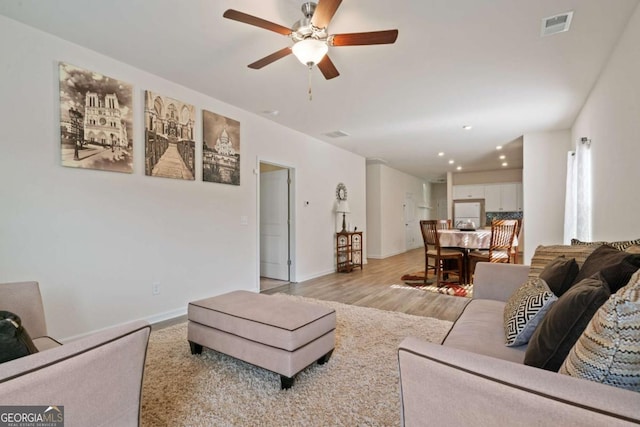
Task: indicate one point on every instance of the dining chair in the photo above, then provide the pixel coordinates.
(440, 256)
(503, 232)
(514, 248)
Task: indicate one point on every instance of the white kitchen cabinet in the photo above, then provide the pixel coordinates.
(501, 197)
(492, 198)
(468, 192)
(519, 197)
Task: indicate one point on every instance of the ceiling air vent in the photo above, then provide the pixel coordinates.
(336, 134)
(556, 24)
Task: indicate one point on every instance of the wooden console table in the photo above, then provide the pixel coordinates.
(348, 251)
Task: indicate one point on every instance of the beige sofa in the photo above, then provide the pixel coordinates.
(474, 379)
(98, 378)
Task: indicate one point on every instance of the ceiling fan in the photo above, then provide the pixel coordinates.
(311, 38)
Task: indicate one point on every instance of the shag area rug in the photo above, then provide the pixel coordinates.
(358, 386)
(416, 280)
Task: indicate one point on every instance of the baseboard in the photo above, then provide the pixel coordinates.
(313, 276)
(156, 318)
(394, 253)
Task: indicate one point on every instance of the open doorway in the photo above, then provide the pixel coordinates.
(275, 225)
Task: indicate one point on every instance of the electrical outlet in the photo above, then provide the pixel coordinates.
(155, 288)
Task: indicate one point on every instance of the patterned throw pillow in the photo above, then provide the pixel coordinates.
(621, 245)
(609, 349)
(545, 254)
(525, 309)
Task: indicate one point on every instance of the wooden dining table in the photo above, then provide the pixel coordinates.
(467, 240)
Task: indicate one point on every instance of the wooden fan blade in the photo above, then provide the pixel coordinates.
(258, 22)
(270, 58)
(360, 39)
(324, 12)
(327, 68)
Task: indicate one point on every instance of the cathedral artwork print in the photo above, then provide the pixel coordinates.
(169, 143)
(96, 120)
(220, 149)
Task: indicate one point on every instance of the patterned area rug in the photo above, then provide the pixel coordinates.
(416, 281)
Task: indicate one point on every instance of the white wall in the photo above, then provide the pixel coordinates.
(390, 187)
(611, 119)
(96, 241)
(374, 212)
(543, 183)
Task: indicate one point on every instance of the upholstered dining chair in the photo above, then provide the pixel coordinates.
(432, 249)
(503, 232)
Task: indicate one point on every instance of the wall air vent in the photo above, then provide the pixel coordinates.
(556, 24)
(336, 134)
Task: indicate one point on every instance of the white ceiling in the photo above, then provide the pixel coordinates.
(455, 62)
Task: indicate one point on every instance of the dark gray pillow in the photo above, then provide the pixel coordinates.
(560, 274)
(603, 257)
(618, 275)
(564, 323)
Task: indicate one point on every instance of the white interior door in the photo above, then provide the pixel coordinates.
(274, 224)
(410, 222)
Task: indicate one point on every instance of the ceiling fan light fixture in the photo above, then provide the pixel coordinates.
(310, 51)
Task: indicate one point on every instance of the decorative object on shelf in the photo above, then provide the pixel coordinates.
(348, 251)
(343, 208)
(341, 192)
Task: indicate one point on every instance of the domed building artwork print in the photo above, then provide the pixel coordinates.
(220, 149)
(169, 137)
(96, 120)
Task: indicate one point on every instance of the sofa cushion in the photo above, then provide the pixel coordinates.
(480, 330)
(564, 323)
(609, 349)
(604, 256)
(525, 309)
(621, 246)
(545, 254)
(559, 274)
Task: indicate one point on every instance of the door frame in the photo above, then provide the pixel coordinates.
(292, 221)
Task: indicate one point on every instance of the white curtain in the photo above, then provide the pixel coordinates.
(577, 212)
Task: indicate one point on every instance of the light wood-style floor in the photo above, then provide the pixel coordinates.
(371, 287)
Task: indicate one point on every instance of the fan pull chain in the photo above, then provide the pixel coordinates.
(310, 94)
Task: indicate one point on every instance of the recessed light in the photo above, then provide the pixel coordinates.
(441, 154)
(499, 147)
(451, 162)
(270, 112)
(467, 127)
(459, 168)
(505, 164)
(502, 157)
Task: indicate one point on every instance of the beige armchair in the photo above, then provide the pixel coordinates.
(97, 378)
(24, 299)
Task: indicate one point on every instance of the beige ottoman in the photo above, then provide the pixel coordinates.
(268, 331)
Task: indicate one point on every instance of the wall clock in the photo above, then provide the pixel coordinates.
(341, 192)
